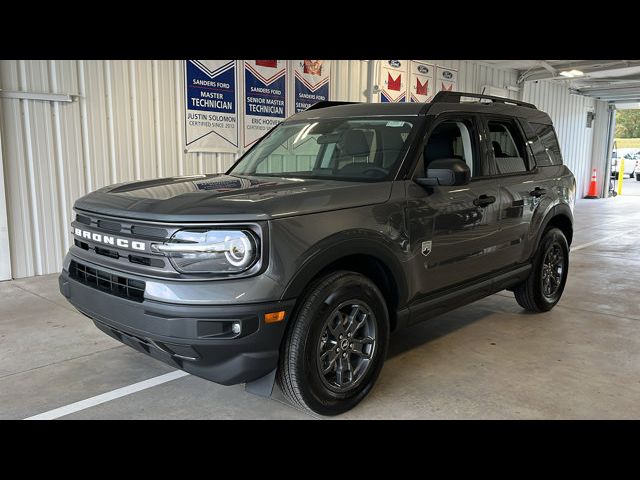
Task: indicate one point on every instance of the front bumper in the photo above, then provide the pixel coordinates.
(194, 338)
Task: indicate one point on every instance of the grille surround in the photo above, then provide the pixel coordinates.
(117, 285)
(150, 264)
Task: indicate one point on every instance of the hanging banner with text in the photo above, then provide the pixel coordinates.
(311, 82)
(211, 117)
(393, 80)
(421, 80)
(447, 79)
(265, 96)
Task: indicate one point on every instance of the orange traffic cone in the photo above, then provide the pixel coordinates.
(593, 186)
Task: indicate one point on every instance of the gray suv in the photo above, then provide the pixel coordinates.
(343, 224)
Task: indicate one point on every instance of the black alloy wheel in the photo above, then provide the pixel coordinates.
(552, 270)
(544, 286)
(347, 345)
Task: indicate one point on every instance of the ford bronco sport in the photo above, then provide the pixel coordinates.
(344, 223)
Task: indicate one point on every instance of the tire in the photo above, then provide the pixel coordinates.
(531, 294)
(308, 344)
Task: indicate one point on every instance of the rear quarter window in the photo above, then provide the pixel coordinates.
(544, 144)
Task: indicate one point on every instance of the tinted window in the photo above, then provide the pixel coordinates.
(546, 149)
(366, 149)
(508, 147)
(451, 139)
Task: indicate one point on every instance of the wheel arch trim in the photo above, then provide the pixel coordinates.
(558, 210)
(336, 249)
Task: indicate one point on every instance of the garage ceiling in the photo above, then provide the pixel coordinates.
(616, 81)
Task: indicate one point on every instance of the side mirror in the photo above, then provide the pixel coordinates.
(446, 172)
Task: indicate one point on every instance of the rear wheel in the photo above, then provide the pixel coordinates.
(335, 347)
(544, 286)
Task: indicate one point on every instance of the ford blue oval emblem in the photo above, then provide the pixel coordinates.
(423, 69)
(448, 75)
(395, 63)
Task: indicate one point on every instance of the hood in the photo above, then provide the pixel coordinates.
(206, 198)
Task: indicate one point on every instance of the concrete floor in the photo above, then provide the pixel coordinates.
(489, 359)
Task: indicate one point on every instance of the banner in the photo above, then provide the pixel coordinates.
(211, 117)
(421, 80)
(264, 97)
(393, 81)
(311, 82)
(447, 79)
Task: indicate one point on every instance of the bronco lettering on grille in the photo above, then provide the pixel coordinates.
(110, 240)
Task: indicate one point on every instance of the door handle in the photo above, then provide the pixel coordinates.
(484, 200)
(538, 192)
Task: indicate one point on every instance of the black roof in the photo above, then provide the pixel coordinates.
(361, 109)
(441, 104)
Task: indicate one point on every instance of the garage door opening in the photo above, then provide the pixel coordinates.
(625, 156)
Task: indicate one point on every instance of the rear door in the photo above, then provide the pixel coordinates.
(453, 230)
(522, 185)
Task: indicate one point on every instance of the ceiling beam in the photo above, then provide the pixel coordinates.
(587, 66)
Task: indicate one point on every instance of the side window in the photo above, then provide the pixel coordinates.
(508, 147)
(451, 139)
(549, 150)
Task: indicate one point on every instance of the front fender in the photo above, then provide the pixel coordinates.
(344, 244)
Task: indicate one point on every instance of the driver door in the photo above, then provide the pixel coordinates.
(453, 230)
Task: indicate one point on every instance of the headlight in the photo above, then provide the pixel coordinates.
(210, 251)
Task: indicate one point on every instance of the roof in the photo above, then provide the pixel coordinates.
(361, 109)
(414, 109)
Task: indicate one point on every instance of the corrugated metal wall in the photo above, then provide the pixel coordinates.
(568, 113)
(472, 76)
(5, 263)
(125, 125)
(349, 80)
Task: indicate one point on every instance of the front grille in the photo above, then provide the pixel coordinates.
(107, 225)
(122, 259)
(140, 230)
(107, 282)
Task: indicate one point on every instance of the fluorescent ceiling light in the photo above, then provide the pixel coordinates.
(572, 73)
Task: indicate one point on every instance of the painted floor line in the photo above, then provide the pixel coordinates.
(600, 240)
(108, 396)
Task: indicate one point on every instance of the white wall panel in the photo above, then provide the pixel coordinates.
(349, 79)
(473, 76)
(568, 113)
(5, 264)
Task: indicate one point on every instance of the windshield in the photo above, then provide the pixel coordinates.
(355, 149)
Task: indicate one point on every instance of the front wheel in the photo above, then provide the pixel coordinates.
(335, 347)
(544, 286)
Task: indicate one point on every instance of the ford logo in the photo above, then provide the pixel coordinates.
(423, 69)
(448, 75)
(395, 63)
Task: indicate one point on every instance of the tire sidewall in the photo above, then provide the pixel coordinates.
(552, 236)
(313, 316)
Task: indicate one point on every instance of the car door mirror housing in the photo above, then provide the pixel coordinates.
(446, 172)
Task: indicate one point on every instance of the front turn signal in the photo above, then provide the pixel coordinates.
(274, 317)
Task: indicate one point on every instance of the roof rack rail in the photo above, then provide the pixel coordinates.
(454, 97)
(326, 104)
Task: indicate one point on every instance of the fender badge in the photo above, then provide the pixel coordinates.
(426, 248)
